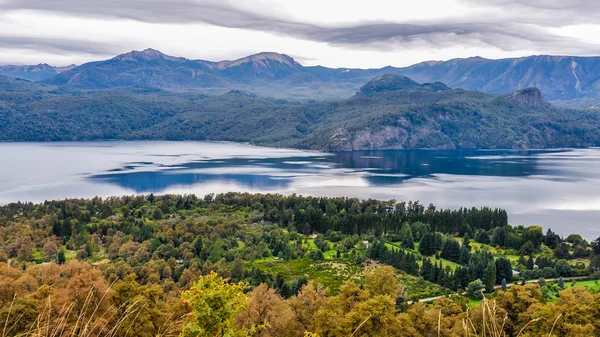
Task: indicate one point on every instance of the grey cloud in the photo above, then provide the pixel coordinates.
(57, 46)
(549, 13)
(524, 31)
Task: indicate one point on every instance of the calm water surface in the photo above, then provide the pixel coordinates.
(558, 189)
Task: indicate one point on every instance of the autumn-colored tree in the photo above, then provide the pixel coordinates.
(309, 300)
(382, 281)
(215, 304)
(269, 315)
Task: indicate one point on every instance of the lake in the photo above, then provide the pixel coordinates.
(558, 189)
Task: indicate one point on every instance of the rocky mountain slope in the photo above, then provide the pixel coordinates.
(557, 77)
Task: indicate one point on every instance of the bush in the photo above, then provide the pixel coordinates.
(474, 290)
(316, 255)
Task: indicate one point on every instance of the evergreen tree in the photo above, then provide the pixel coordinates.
(530, 263)
(522, 260)
(465, 255)
(461, 275)
(596, 247)
(426, 268)
(451, 250)
(528, 248)
(562, 251)
(551, 239)
(489, 277)
(503, 270)
(406, 235)
(483, 237)
(409, 264)
(499, 236)
(466, 241)
(198, 245)
(427, 244)
(438, 241)
(285, 291)
(60, 257)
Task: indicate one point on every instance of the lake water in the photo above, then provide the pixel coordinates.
(558, 189)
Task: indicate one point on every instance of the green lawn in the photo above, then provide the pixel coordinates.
(592, 285)
(473, 303)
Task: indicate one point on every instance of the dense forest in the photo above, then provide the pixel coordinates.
(389, 112)
(241, 264)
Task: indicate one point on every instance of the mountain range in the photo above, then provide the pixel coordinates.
(569, 80)
(388, 112)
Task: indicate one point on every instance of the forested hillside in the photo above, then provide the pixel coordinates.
(389, 112)
(272, 265)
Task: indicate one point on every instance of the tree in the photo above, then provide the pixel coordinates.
(268, 314)
(451, 249)
(483, 237)
(503, 270)
(157, 214)
(408, 241)
(310, 298)
(316, 254)
(499, 236)
(489, 277)
(198, 245)
(419, 229)
(596, 247)
(551, 239)
(504, 288)
(285, 291)
(562, 251)
(576, 240)
(474, 289)
(427, 244)
(561, 283)
(214, 304)
(383, 281)
(530, 265)
(528, 248)
(60, 257)
(50, 249)
(466, 241)
(535, 235)
(465, 255)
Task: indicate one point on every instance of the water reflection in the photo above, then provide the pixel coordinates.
(376, 167)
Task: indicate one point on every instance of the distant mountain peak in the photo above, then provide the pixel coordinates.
(148, 54)
(260, 60)
(477, 58)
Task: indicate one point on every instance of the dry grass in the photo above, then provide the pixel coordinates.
(95, 324)
(493, 325)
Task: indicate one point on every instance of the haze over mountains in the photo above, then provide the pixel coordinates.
(565, 79)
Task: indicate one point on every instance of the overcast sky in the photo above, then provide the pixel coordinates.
(344, 33)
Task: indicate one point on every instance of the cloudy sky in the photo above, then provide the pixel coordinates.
(344, 33)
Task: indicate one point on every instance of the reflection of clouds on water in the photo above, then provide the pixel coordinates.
(557, 188)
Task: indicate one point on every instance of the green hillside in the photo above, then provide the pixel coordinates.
(389, 112)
